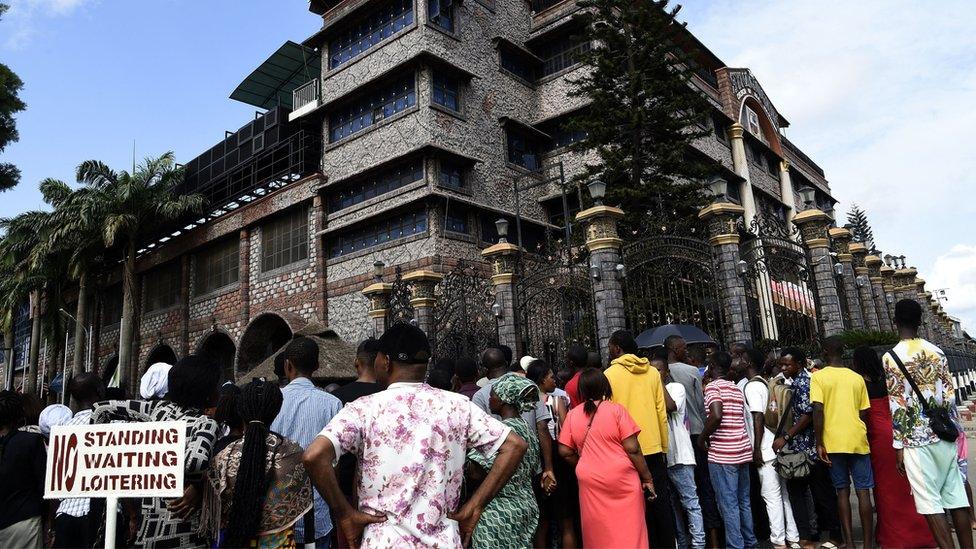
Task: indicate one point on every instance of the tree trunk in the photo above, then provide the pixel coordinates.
(30, 384)
(81, 340)
(8, 346)
(126, 329)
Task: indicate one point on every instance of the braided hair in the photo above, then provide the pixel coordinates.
(258, 405)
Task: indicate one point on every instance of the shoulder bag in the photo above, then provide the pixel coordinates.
(790, 464)
(939, 420)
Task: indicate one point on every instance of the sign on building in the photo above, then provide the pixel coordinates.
(116, 460)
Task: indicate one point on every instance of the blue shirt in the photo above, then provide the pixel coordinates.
(803, 441)
(305, 411)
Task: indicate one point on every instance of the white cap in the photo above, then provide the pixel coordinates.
(525, 361)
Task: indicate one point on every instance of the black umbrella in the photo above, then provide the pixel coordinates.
(654, 337)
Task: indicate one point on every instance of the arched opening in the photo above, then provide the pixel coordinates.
(161, 353)
(267, 334)
(220, 348)
(108, 369)
(755, 119)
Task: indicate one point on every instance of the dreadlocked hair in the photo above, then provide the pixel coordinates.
(258, 405)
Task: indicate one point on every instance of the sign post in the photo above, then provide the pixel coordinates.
(127, 460)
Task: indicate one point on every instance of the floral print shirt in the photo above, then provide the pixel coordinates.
(803, 441)
(410, 442)
(929, 368)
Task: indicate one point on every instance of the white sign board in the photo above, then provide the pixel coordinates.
(127, 460)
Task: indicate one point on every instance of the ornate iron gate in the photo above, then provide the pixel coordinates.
(670, 280)
(400, 309)
(554, 304)
(463, 324)
(779, 285)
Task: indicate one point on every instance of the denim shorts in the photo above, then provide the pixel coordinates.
(846, 466)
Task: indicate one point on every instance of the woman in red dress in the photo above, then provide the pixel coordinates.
(600, 438)
(898, 524)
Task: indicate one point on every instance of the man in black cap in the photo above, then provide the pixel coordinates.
(411, 440)
(365, 384)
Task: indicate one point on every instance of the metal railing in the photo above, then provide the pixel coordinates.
(305, 94)
(542, 5)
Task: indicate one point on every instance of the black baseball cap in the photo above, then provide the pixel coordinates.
(369, 346)
(406, 344)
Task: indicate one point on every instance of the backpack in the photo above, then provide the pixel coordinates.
(780, 397)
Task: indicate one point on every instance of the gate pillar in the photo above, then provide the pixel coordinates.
(502, 257)
(722, 219)
(919, 295)
(871, 316)
(604, 243)
(813, 228)
(378, 295)
(841, 240)
(874, 263)
(422, 297)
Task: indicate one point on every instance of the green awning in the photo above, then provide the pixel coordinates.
(272, 83)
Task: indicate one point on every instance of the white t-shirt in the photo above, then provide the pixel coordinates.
(757, 398)
(680, 451)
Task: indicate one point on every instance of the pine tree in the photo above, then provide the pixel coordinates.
(860, 228)
(10, 104)
(644, 113)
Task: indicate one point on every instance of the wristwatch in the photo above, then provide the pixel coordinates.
(788, 437)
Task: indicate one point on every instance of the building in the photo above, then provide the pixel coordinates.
(399, 133)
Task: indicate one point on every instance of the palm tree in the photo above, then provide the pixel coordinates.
(76, 233)
(133, 206)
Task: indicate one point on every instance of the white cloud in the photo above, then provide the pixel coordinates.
(879, 93)
(956, 271)
(24, 15)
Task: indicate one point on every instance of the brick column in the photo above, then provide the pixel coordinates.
(904, 280)
(936, 324)
(723, 233)
(245, 275)
(316, 224)
(860, 252)
(502, 257)
(378, 294)
(184, 306)
(813, 225)
(422, 297)
(604, 243)
(840, 240)
(888, 286)
(923, 301)
(874, 264)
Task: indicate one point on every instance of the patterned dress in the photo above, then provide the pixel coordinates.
(511, 517)
(158, 529)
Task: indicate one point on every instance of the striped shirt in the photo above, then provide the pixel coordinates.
(730, 441)
(76, 507)
(305, 411)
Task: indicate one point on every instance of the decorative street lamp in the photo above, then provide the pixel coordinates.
(598, 191)
(502, 227)
(807, 195)
(720, 188)
(378, 270)
(838, 269)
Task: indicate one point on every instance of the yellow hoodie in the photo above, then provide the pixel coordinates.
(638, 388)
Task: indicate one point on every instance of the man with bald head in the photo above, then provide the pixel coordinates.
(496, 364)
(74, 524)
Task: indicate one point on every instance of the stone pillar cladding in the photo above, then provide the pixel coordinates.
(740, 164)
(840, 240)
(860, 252)
(874, 265)
(245, 275)
(378, 294)
(722, 219)
(422, 298)
(786, 190)
(888, 286)
(936, 325)
(904, 280)
(503, 257)
(604, 244)
(919, 296)
(185, 305)
(813, 229)
(317, 219)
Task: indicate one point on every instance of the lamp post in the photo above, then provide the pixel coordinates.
(502, 227)
(807, 195)
(719, 188)
(598, 191)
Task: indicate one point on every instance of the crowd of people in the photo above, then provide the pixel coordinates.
(674, 446)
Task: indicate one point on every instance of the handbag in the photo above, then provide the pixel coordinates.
(790, 464)
(939, 420)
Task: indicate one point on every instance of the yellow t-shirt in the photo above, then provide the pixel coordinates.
(843, 395)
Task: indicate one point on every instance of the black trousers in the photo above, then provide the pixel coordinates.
(658, 513)
(824, 502)
(706, 494)
(73, 532)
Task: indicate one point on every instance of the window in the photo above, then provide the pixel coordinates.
(772, 164)
(515, 63)
(721, 131)
(522, 149)
(563, 137)
(377, 184)
(446, 92)
(374, 234)
(441, 13)
(218, 267)
(561, 54)
(451, 175)
(456, 221)
(162, 287)
(752, 122)
(372, 107)
(362, 36)
(285, 241)
(112, 306)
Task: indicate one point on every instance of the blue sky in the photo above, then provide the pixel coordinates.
(879, 92)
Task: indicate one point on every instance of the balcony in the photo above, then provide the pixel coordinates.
(305, 99)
